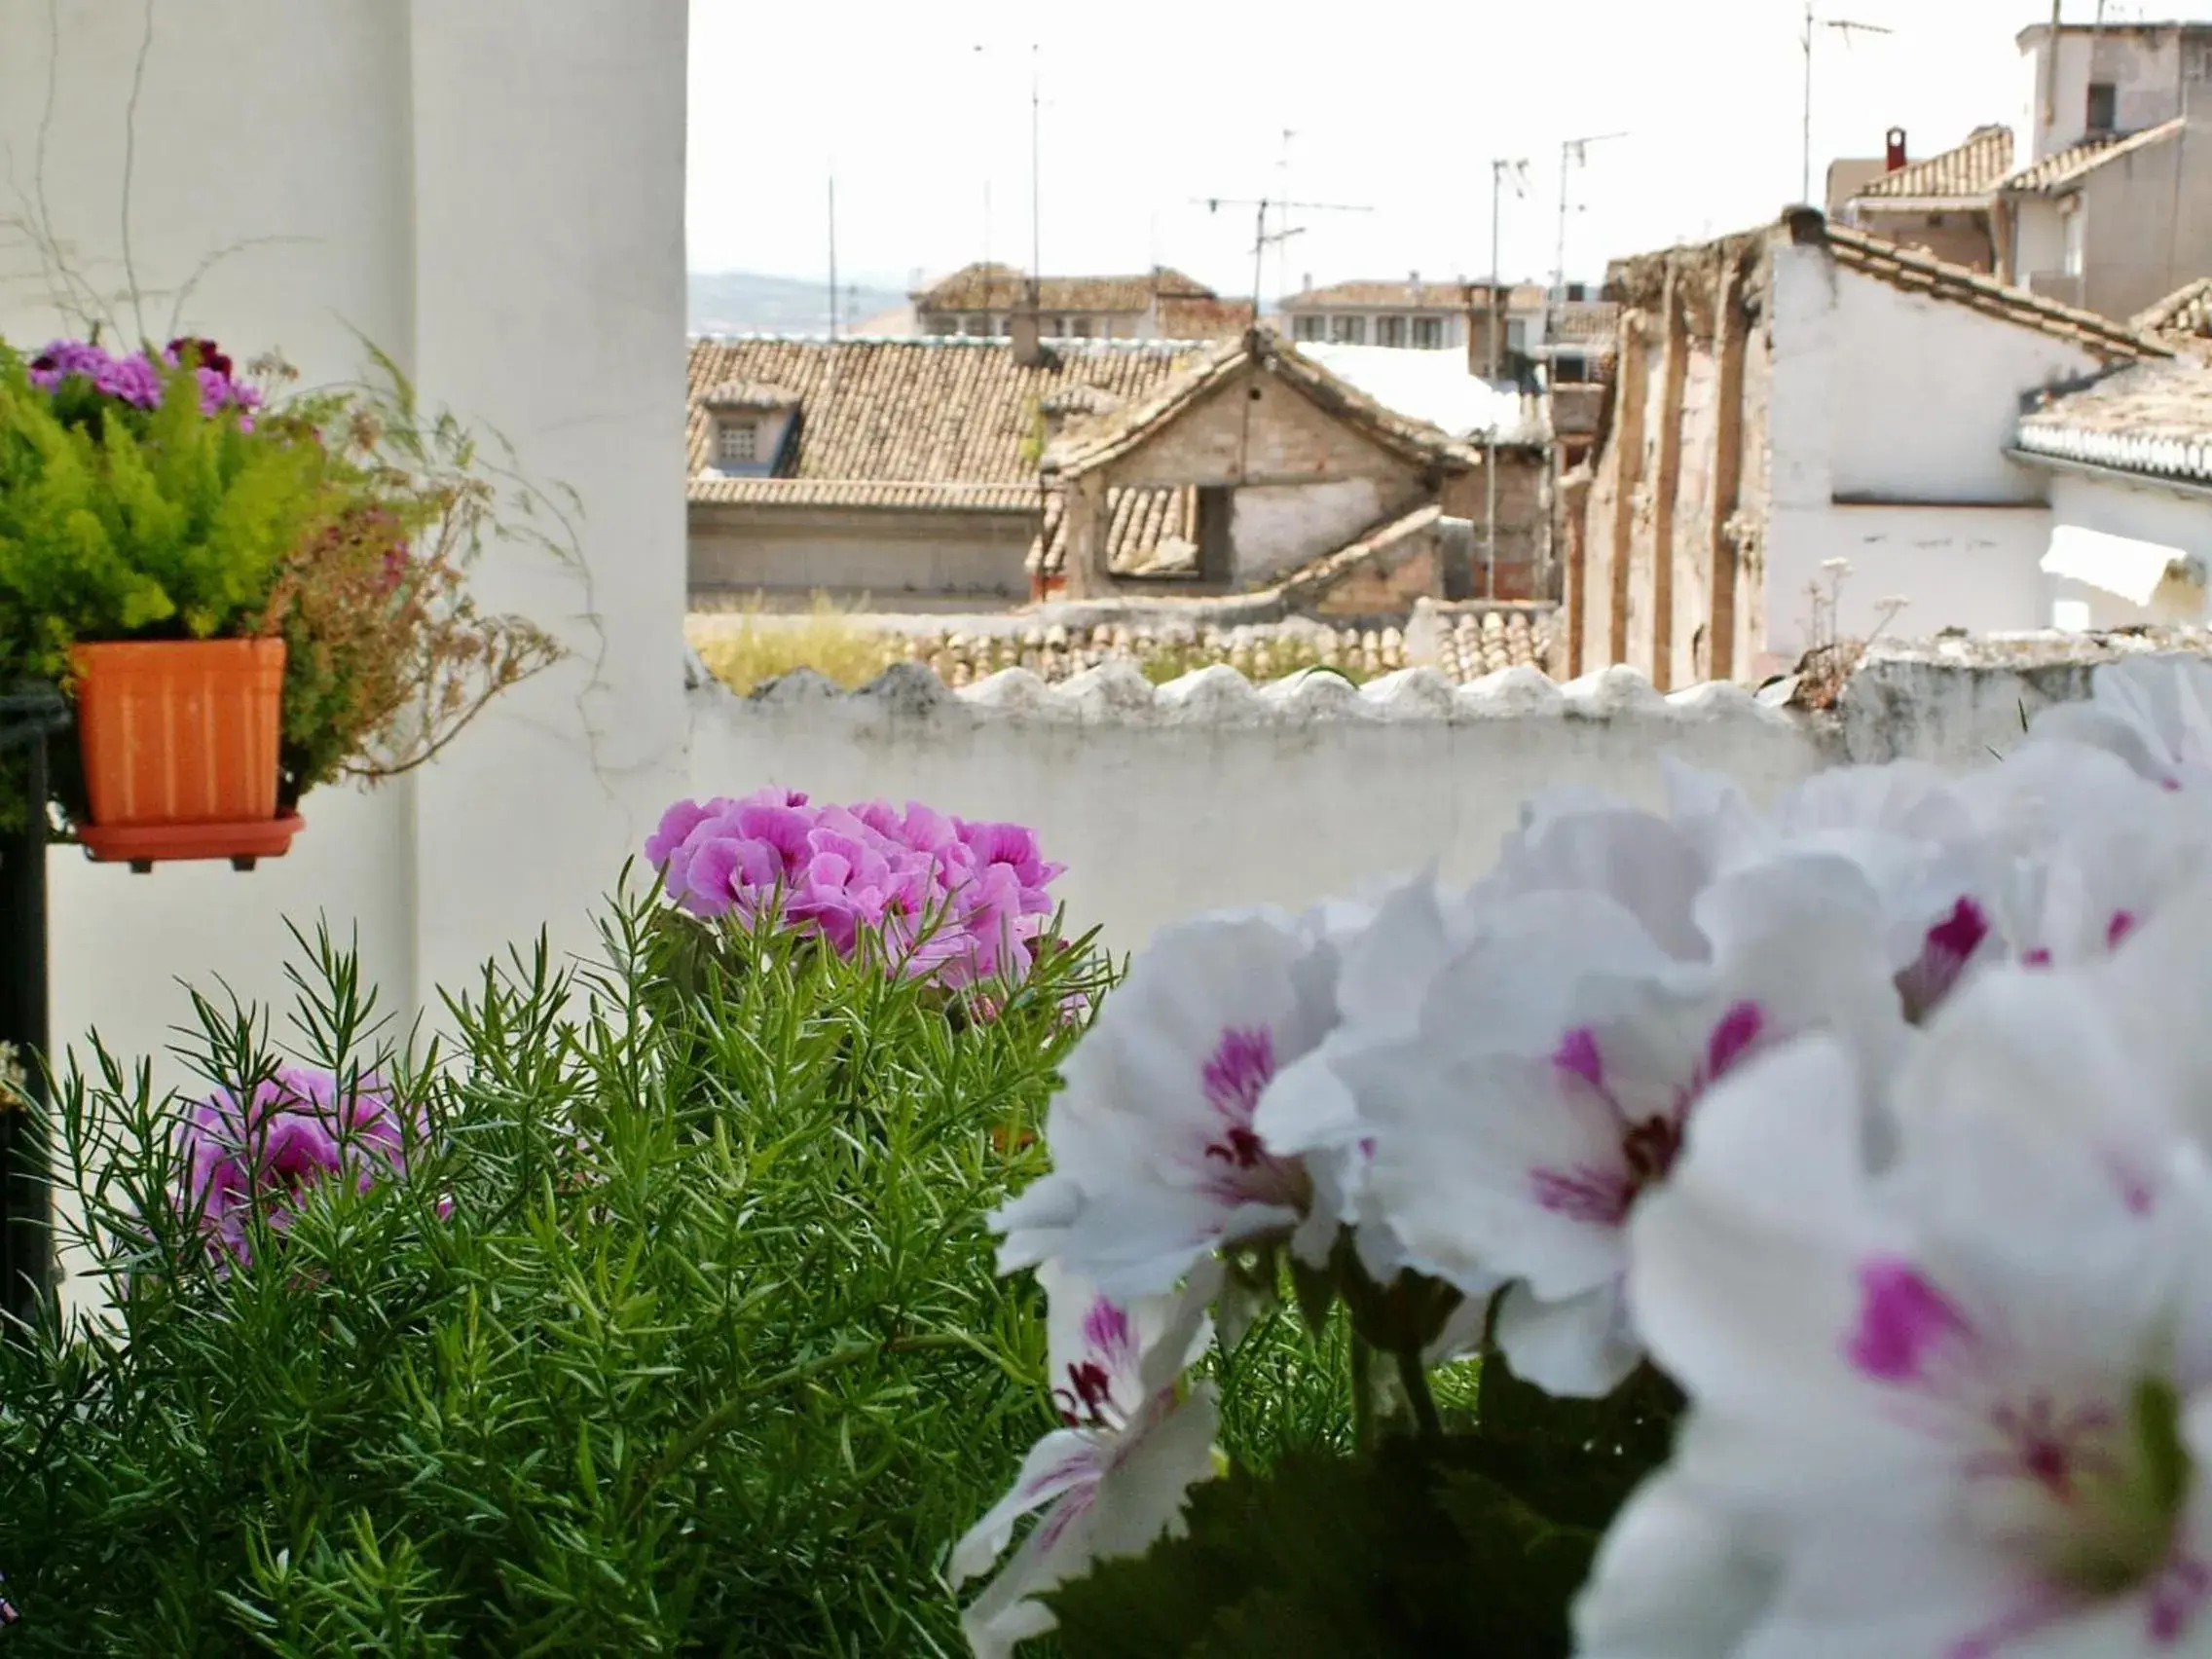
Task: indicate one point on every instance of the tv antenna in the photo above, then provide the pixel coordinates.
(1263, 238)
(1845, 27)
(1502, 173)
(1573, 153)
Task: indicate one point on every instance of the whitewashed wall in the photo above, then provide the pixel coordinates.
(1902, 406)
(2141, 512)
(492, 192)
(1206, 793)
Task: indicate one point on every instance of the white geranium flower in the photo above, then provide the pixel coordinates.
(2154, 712)
(1114, 1477)
(1156, 1160)
(2092, 850)
(1580, 842)
(1309, 1112)
(1956, 1406)
(1930, 858)
(1554, 1067)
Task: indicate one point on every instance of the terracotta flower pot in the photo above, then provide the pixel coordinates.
(179, 742)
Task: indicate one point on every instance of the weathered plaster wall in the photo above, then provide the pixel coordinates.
(1274, 528)
(902, 557)
(1679, 475)
(2147, 223)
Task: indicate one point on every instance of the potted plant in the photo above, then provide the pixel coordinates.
(244, 597)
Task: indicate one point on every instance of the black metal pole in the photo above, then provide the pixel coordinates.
(27, 1193)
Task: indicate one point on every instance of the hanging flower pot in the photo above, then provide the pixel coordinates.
(179, 741)
(245, 599)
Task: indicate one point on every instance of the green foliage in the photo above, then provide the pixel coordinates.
(170, 526)
(708, 1356)
(1462, 1521)
(1413, 1551)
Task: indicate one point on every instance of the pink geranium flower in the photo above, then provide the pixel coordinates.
(936, 898)
(298, 1128)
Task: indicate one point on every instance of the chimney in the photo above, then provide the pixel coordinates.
(1895, 150)
(1028, 338)
(1306, 282)
(1413, 280)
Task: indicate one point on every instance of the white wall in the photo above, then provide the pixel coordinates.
(2141, 512)
(1274, 528)
(492, 192)
(1896, 403)
(1973, 568)
(1205, 793)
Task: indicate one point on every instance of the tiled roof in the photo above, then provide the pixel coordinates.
(2153, 419)
(988, 286)
(865, 492)
(1149, 531)
(1184, 317)
(750, 394)
(2187, 310)
(1378, 546)
(1473, 641)
(1389, 296)
(1587, 322)
(1918, 272)
(1966, 172)
(1096, 442)
(917, 411)
(2071, 166)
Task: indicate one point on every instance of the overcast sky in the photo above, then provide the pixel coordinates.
(1150, 106)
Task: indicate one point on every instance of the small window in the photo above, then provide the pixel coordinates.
(1517, 336)
(1308, 328)
(1389, 331)
(1054, 327)
(1349, 330)
(740, 443)
(1428, 333)
(1577, 292)
(977, 327)
(2104, 106)
(2075, 238)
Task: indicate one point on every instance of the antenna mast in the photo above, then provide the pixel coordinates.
(1573, 153)
(1501, 173)
(1036, 191)
(832, 256)
(1263, 239)
(1846, 29)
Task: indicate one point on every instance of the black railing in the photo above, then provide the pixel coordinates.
(28, 719)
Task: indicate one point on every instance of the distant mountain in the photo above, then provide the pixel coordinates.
(735, 302)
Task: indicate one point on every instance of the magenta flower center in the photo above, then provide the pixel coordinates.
(1234, 1078)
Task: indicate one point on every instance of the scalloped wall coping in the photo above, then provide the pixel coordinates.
(1117, 693)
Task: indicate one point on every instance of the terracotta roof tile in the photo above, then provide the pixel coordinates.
(993, 286)
(1966, 171)
(917, 411)
(2187, 312)
(749, 394)
(1473, 640)
(2153, 419)
(1385, 296)
(1587, 322)
(1094, 443)
(1916, 272)
(1149, 531)
(866, 492)
(2071, 166)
